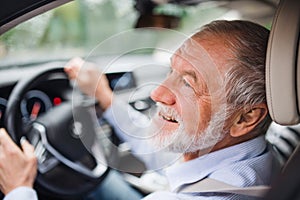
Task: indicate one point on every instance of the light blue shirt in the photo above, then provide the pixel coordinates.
(21, 193)
(242, 165)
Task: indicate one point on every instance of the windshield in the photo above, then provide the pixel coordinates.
(76, 28)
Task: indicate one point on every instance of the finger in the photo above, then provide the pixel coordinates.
(71, 71)
(73, 66)
(5, 140)
(28, 149)
(77, 61)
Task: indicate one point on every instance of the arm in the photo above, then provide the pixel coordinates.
(119, 114)
(18, 168)
(129, 124)
(90, 81)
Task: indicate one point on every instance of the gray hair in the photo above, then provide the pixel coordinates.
(245, 80)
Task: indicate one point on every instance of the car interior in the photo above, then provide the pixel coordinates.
(38, 100)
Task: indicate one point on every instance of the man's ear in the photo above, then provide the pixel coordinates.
(247, 120)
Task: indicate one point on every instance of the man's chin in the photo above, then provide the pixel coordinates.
(169, 140)
(184, 145)
(168, 144)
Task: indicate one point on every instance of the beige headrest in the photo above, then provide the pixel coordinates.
(283, 66)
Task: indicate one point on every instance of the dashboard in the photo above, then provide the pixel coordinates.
(51, 92)
(37, 100)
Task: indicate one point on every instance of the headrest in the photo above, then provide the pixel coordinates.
(283, 64)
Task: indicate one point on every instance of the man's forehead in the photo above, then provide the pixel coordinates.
(194, 56)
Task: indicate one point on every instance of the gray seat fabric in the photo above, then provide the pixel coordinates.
(284, 140)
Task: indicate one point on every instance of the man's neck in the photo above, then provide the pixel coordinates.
(224, 143)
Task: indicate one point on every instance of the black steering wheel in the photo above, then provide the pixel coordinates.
(70, 159)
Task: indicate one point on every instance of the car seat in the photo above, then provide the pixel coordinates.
(283, 92)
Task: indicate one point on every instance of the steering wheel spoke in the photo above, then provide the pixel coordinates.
(49, 157)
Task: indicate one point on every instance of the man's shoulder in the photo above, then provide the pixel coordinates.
(246, 173)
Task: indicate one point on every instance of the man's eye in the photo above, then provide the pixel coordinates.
(170, 72)
(186, 83)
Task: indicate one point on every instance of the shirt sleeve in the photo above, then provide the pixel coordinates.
(22, 193)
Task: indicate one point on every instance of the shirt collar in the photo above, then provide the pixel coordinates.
(199, 168)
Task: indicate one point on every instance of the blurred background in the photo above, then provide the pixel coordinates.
(79, 26)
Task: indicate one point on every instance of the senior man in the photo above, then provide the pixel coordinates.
(211, 108)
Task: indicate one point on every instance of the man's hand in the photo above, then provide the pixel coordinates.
(90, 80)
(17, 167)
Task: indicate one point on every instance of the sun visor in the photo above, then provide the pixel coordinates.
(282, 69)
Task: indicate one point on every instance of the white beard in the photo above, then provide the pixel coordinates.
(179, 141)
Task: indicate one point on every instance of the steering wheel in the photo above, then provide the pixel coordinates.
(70, 158)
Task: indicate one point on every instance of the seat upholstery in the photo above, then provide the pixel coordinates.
(283, 94)
(284, 140)
(282, 76)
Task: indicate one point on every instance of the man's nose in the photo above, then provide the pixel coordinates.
(163, 95)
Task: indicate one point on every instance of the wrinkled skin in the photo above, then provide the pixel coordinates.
(18, 167)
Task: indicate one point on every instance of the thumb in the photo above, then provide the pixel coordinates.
(28, 149)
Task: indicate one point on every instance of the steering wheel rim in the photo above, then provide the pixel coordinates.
(65, 163)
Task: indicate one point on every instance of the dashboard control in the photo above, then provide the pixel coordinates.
(142, 104)
(121, 80)
(33, 104)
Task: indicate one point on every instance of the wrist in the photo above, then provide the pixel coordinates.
(22, 192)
(13, 188)
(105, 98)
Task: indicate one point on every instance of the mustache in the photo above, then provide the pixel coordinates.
(168, 112)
